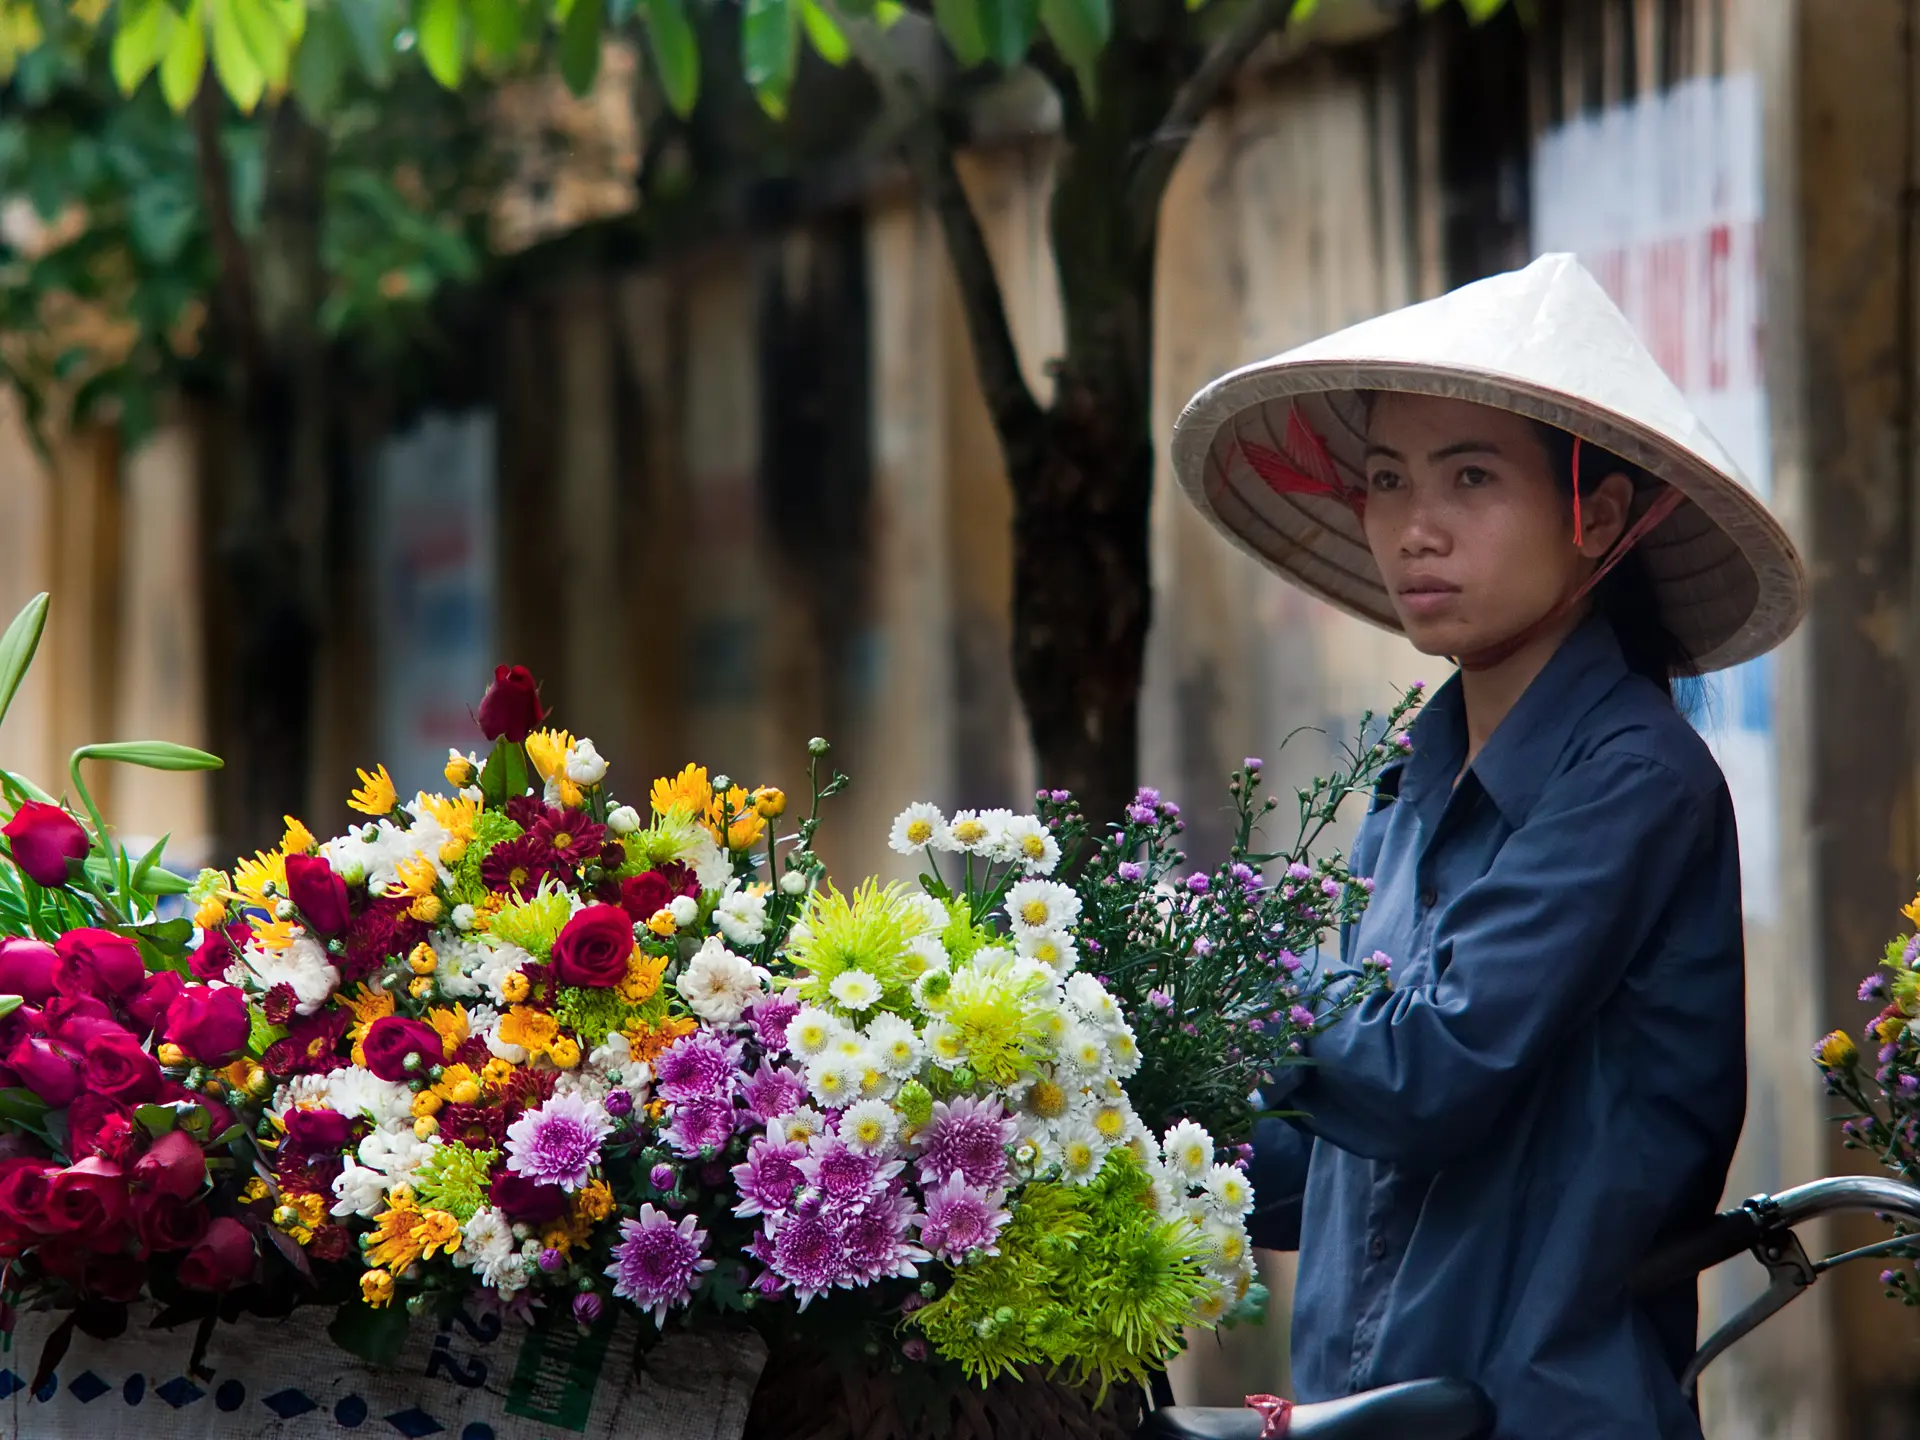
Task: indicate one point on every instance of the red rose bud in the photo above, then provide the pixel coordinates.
(88, 1201)
(594, 947)
(320, 895)
(391, 1042)
(222, 1259)
(164, 1223)
(644, 896)
(117, 1067)
(44, 838)
(98, 963)
(76, 1021)
(26, 969)
(527, 1202)
(511, 706)
(318, 1132)
(47, 1068)
(174, 1165)
(26, 1187)
(98, 1126)
(149, 1006)
(210, 1024)
(218, 950)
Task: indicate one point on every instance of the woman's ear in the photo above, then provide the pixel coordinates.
(1605, 512)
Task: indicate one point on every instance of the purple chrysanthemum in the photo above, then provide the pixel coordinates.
(962, 1219)
(1301, 1016)
(557, 1143)
(706, 1120)
(771, 1014)
(810, 1254)
(770, 1175)
(775, 1090)
(842, 1173)
(879, 1243)
(968, 1137)
(1159, 999)
(1129, 871)
(699, 1065)
(658, 1263)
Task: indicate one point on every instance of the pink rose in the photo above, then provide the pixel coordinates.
(44, 838)
(47, 1068)
(98, 963)
(117, 1067)
(222, 1259)
(174, 1165)
(211, 1025)
(88, 1202)
(26, 969)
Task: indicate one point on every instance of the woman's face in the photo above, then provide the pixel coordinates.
(1471, 529)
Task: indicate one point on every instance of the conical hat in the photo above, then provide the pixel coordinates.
(1545, 342)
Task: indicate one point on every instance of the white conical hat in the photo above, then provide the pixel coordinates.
(1545, 342)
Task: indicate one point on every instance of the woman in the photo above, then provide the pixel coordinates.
(1555, 1080)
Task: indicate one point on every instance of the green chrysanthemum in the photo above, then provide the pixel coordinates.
(455, 1179)
(962, 938)
(490, 829)
(868, 931)
(206, 885)
(534, 924)
(1000, 1021)
(594, 1014)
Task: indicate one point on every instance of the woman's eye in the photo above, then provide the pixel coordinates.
(1473, 477)
(1385, 480)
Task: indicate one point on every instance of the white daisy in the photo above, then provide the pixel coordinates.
(1189, 1149)
(1114, 1121)
(855, 989)
(869, 1126)
(811, 1031)
(925, 952)
(944, 1045)
(1226, 1245)
(929, 912)
(1123, 1051)
(970, 833)
(1229, 1193)
(1032, 845)
(1082, 1152)
(800, 1124)
(1052, 948)
(1082, 1048)
(832, 1081)
(997, 846)
(918, 826)
(1088, 996)
(895, 1042)
(1036, 905)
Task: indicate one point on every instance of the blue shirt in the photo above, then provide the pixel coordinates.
(1552, 1085)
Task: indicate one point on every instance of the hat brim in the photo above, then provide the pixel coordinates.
(1730, 583)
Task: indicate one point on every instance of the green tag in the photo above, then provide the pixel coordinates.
(558, 1367)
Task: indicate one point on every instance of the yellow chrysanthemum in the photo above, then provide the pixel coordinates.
(211, 914)
(368, 1003)
(496, 1072)
(1912, 910)
(662, 923)
(414, 876)
(688, 793)
(254, 879)
(770, 802)
(452, 1024)
(458, 1085)
(745, 826)
(298, 840)
(440, 1233)
(376, 795)
(647, 1041)
(256, 1189)
(643, 977)
(532, 1030)
(396, 1241)
(428, 909)
(593, 1202)
(459, 770)
(564, 1051)
(376, 1288)
(275, 934)
(547, 749)
(457, 816)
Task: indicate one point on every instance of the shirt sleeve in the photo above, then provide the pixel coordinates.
(1279, 1175)
(1421, 1075)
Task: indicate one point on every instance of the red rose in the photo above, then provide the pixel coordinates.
(320, 894)
(511, 706)
(222, 1259)
(156, 993)
(76, 1021)
(118, 1068)
(318, 1132)
(44, 838)
(107, 1277)
(527, 1202)
(174, 1165)
(26, 969)
(217, 950)
(392, 1041)
(88, 1201)
(330, 1243)
(98, 963)
(47, 1068)
(209, 1024)
(594, 948)
(97, 1126)
(26, 1186)
(168, 1224)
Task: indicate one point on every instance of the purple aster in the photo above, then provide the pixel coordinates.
(1909, 1084)
(968, 1137)
(769, 1176)
(1129, 871)
(663, 1176)
(557, 1143)
(699, 1123)
(586, 1308)
(1301, 1016)
(1404, 743)
(771, 1014)
(775, 1090)
(619, 1104)
(1330, 888)
(961, 1220)
(879, 1243)
(1911, 953)
(915, 1349)
(842, 1173)
(1159, 999)
(1873, 987)
(809, 1253)
(1299, 871)
(657, 1263)
(1203, 947)
(699, 1065)
(1141, 814)
(1198, 884)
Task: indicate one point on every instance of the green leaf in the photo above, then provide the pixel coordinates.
(441, 29)
(153, 754)
(580, 45)
(1302, 11)
(263, 1035)
(162, 882)
(888, 13)
(1079, 30)
(371, 26)
(148, 861)
(19, 787)
(17, 645)
(675, 50)
(961, 22)
(1481, 11)
(239, 73)
(498, 28)
(1008, 26)
(171, 936)
(266, 38)
(829, 41)
(769, 49)
(11, 1003)
(141, 32)
(375, 1336)
(161, 216)
(20, 1106)
(320, 64)
(505, 775)
(157, 1120)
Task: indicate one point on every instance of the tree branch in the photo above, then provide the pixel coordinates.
(1154, 166)
(234, 291)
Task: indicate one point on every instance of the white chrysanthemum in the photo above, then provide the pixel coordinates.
(1081, 1151)
(463, 918)
(1031, 844)
(925, 953)
(585, 1084)
(1036, 905)
(370, 854)
(925, 915)
(623, 820)
(612, 1055)
(1052, 948)
(969, 833)
(712, 866)
(869, 1126)
(460, 961)
(1229, 1193)
(742, 915)
(584, 763)
(1090, 998)
(918, 826)
(303, 967)
(800, 1124)
(486, 1238)
(718, 985)
(855, 989)
(812, 1031)
(684, 909)
(895, 1042)
(1189, 1150)
(1114, 1120)
(1083, 1049)
(358, 1190)
(930, 989)
(359, 1094)
(1227, 1246)
(1123, 1051)
(397, 1154)
(491, 967)
(833, 1081)
(300, 1093)
(944, 1045)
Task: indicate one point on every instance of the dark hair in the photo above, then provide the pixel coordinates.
(1626, 596)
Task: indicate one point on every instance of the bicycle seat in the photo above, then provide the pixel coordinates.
(1417, 1410)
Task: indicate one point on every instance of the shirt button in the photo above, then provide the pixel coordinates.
(1377, 1247)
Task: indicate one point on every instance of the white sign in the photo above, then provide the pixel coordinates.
(434, 623)
(1661, 200)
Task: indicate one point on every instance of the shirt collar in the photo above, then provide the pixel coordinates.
(1516, 762)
